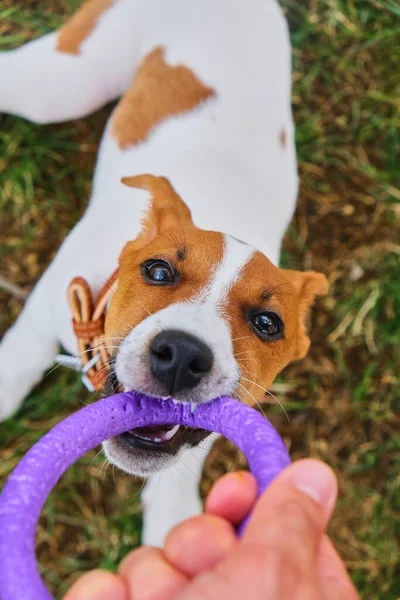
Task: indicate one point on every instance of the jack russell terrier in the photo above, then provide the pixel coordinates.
(195, 305)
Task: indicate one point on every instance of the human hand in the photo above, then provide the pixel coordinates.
(283, 554)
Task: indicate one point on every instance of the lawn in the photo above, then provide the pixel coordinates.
(343, 399)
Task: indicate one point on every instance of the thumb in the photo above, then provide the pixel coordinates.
(290, 518)
(288, 524)
(277, 555)
(303, 495)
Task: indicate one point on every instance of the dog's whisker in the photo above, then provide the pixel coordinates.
(176, 467)
(104, 281)
(280, 404)
(103, 369)
(101, 469)
(53, 369)
(266, 392)
(254, 383)
(270, 394)
(250, 373)
(105, 470)
(93, 459)
(106, 367)
(82, 354)
(125, 323)
(141, 487)
(97, 347)
(187, 466)
(255, 401)
(247, 392)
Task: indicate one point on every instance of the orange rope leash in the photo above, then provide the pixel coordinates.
(88, 323)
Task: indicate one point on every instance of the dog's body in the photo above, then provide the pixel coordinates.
(228, 151)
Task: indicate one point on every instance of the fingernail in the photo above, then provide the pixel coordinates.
(317, 480)
(242, 476)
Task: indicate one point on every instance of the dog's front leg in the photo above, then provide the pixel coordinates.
(27, 349)
(72, 72)
(172, 496)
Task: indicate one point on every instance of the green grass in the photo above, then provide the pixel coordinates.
(343, 399)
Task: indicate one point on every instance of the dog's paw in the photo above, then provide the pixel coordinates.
(11, 398)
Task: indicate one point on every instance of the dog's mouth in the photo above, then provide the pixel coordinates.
(154, 437)
(143, 450)
(167, 439)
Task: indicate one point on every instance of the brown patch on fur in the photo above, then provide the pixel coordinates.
(166, 212)
(158, 91)
(308, 285)
(77, 29)
(167, 227)
(264, 286)
(283, 138)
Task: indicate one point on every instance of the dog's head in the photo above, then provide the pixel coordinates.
(196, 315)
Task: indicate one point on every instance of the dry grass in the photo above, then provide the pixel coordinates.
(343, 400)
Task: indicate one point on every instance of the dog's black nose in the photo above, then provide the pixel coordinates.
(179, 360)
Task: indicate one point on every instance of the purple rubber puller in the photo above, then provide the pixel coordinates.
(31, 482)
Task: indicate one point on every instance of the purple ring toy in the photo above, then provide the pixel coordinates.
(31, 482)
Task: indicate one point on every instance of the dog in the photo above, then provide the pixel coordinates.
(195, 185)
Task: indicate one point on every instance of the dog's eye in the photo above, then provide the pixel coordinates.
(267, 325)
(158, 272)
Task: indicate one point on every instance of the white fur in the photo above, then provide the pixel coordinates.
(172, 496)
(224, 158)
(226, 273)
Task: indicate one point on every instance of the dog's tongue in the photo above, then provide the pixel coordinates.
(156, 433)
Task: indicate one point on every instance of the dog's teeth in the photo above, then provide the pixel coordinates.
(193, 406)
(175, 401)
(158, 440)
(170, 434)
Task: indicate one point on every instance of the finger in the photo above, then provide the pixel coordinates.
(149, 576)
(276, 558)
(98, 585)
(333, 576)
(199, 543)
(233, 496)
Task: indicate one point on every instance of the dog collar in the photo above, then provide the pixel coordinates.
(88, 318)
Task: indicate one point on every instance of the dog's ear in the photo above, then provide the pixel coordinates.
(167, 210)
(308, 285)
